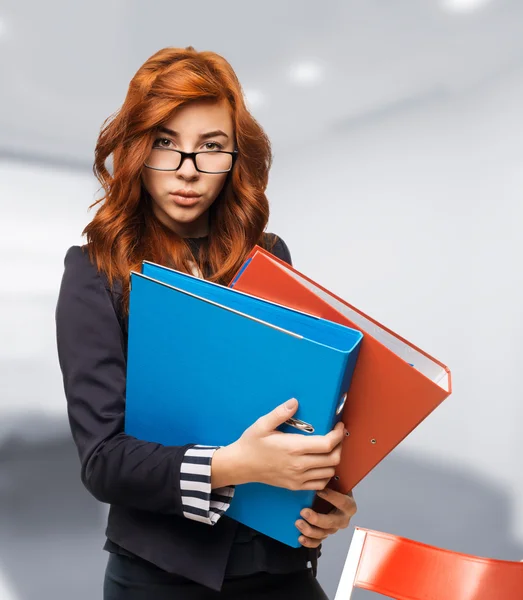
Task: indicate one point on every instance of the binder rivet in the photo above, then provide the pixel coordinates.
(337, 477)
(373, 441)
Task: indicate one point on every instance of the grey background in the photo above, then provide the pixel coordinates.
(397, 183)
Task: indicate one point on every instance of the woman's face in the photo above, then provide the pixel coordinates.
(189, 130)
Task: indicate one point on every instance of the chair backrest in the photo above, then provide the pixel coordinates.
(407, 570)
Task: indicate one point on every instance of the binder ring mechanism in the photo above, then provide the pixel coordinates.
(307, 427)
(301, 425)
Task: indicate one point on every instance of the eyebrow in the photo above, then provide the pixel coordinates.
(203, 136)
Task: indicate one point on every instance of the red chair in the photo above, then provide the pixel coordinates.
(407, 570)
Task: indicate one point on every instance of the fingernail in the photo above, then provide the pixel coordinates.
(306, 513)
(290, 404)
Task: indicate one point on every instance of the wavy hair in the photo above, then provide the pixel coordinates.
(124, 230)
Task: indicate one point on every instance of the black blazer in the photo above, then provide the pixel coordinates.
(140, 480)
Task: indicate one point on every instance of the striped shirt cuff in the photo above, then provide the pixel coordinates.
(199, 501)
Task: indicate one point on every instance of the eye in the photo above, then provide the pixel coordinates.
(161, 143)
(216, 144)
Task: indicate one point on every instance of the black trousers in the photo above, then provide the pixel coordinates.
(134, 579)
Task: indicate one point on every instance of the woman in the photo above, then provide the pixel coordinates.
(190, 168)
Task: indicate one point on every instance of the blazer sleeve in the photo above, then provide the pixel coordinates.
(116, 468)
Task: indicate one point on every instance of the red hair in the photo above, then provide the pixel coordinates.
(124, 230)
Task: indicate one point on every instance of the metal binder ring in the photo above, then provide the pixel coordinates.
(300, 425)
(341, 404)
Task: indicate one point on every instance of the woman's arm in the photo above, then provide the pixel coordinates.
(115, 467)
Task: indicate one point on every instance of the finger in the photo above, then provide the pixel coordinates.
(277, 417)
(312, 532)
(319, 461)
(333, 520)
(322, 444)
(309, 542)
(316, 484)
(321, 473)
(343, 502)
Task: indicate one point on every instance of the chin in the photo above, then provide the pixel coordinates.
(182, 217)
(170, 214)
(185, 215)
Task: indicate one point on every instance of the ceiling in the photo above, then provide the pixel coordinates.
(65, 66)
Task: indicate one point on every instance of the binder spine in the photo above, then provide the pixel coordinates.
(239, 274)
(345, 383)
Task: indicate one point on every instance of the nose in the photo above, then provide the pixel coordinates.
(187, 168)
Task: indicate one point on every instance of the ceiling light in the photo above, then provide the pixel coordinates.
(306, 73)
(464, 6)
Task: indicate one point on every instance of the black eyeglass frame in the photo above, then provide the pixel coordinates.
(192, 156)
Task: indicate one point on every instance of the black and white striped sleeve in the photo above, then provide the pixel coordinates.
(199, 501)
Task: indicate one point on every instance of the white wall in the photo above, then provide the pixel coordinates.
(43, 213)
(416, 219)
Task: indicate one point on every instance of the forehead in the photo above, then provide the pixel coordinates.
(200, 116)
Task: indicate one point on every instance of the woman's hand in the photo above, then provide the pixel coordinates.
(289, 460)
(316, 527)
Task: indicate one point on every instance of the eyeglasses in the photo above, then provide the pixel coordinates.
(210, 161)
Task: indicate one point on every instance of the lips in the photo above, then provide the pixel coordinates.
(184, 200)
(186, 193)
